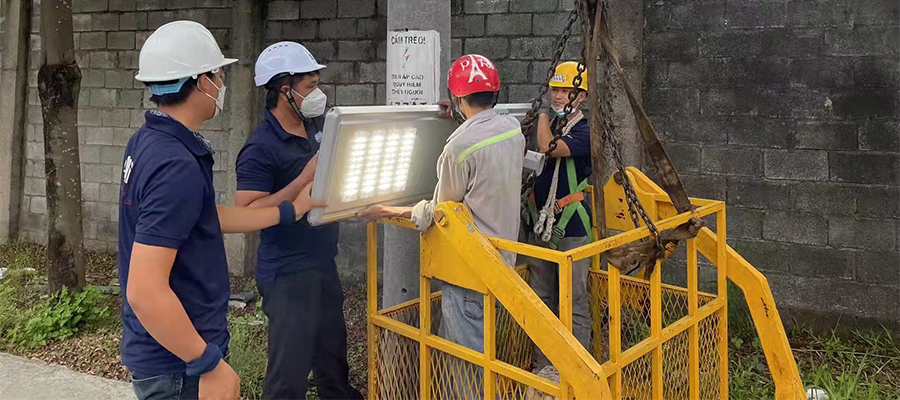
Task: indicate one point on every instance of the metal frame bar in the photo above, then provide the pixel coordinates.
(693, 330)
(713, 245)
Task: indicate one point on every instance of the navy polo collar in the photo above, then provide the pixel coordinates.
(162, 122)
(282, 134)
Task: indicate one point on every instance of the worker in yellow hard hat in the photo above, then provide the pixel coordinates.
(558, 216)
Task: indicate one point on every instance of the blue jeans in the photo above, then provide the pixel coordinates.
(462, 322)
(544, 280)
(166, 387)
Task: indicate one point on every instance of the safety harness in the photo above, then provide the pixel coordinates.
(546, 227)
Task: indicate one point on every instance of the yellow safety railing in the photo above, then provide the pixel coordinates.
(650, 340)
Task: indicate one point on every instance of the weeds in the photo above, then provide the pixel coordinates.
(59, 318)
(862, 366)
(248, 353)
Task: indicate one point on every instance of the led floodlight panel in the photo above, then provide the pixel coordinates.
(381, 155)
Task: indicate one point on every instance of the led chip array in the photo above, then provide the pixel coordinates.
(379, 163)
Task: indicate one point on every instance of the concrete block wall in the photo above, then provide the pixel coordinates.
(108, 38)
(790, 111)
(346, 35)
(519, 36)
(787, 109)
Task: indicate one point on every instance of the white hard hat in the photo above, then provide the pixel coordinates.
(177, 50)
(284, 57)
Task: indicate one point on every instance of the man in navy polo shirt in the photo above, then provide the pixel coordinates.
(296, 272)
(171, 254)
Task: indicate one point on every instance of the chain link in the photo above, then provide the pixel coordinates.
(538, 102)
(577, 80)
(635, 209)
(581, 11)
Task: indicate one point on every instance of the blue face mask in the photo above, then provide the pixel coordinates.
(559, 112)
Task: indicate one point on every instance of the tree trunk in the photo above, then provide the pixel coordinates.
(59, 82)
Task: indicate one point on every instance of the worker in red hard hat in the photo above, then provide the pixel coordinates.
(481, 166)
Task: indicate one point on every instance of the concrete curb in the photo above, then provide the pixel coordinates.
(21, 378)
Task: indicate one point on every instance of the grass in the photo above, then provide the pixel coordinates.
(248, 352)
(857, 366)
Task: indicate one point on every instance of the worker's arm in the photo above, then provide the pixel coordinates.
(261, 199)
(452, 186)
(170, 207)
(155, 304)
(545, 135)
(255, 206)
(246, 219)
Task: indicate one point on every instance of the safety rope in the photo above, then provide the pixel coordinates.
(547, 216)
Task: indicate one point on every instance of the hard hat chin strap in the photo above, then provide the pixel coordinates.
(289, 95)
(293, 103)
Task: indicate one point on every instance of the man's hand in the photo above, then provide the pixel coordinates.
(303, 203)
(379, 211)
(222, 383)
(446, 109)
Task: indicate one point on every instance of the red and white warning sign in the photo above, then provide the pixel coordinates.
(413, 67)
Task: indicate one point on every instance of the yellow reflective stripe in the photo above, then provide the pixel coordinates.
(487, 142)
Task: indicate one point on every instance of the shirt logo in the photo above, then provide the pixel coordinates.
(318, 136)
(129, 165)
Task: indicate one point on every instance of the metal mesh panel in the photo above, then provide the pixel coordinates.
(635, 313)
(509, 389)
(674, 306)
(454, 378)
(408, 315)
(397, 358)
(637, 379)
(598, 287)
(514, 347)
(396, 373)
(676, 375)
(709, 357)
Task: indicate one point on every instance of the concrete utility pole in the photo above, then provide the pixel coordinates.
(401, 246)
(15, 24)
(244, 107)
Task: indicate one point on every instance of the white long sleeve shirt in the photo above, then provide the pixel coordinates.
(481, 166)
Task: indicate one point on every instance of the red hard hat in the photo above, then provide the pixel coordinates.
(472, 73)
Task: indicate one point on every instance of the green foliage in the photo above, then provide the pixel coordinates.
(58, 318)
(9, 313)
(850, 384)
(248, 353)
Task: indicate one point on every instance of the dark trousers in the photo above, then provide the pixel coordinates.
(307, 333)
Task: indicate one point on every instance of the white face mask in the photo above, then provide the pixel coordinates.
(313, 104)
(220, 98)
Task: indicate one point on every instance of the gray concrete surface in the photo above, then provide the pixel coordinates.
(21, 378)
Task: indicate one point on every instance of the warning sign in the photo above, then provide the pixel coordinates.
(413, 67)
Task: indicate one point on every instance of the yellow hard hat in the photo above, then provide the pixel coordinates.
(564, 74)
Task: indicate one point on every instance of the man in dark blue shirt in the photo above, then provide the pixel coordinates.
(560, 216)
(296, 273)
(171, 255)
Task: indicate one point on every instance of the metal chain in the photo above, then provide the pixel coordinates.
(577, 80)
(635, 209)
(538, 102)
